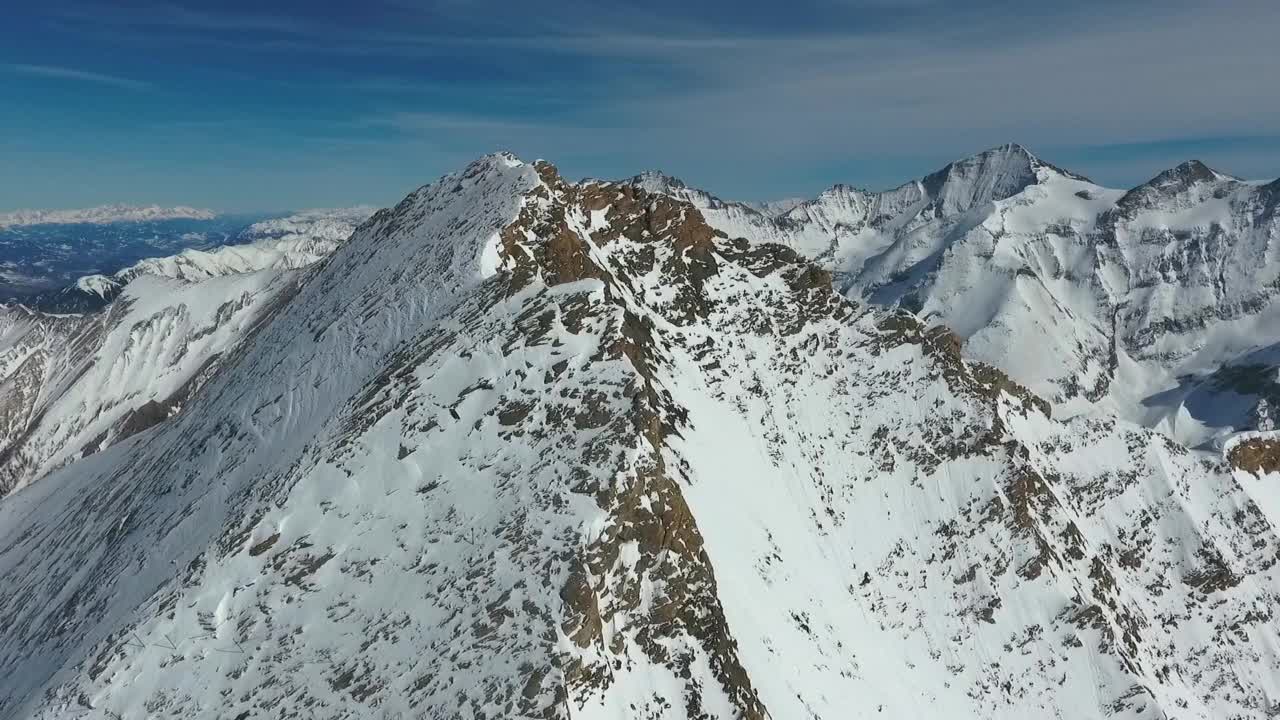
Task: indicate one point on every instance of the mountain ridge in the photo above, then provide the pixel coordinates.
(1011, 251)
(103, 214)
(526, 447)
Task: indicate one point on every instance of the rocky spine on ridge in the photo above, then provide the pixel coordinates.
(524, 447)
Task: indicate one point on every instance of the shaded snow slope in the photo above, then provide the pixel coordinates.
(74, 383)
(527, 448)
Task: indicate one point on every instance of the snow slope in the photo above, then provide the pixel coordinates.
(1127, 303)
(528, 448)
(73, 383)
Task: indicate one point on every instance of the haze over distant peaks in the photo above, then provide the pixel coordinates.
(104, 214)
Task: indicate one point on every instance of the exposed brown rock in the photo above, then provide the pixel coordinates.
(646, 508)
(1258, 455)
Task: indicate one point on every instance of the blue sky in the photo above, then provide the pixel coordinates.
(272, 105)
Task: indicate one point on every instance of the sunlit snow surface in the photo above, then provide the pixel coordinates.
(523, 448)
(1100, 300)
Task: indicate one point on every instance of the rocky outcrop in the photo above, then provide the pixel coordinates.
(531, 448)
(1255, 452)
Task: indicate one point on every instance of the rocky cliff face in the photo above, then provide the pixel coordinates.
(530, 448)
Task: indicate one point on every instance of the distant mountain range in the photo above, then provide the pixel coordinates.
(104, 214)
(993, 444)
(37, 258)
(41, 263)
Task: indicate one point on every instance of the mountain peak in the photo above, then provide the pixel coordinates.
(498, 160)
(505, 157)
(1191, 171)
(660, 183)
(1011, 149)
(991, 175)
(1017, 153)
(842, 189)
(657, 181)
(1175, 181)
(1007, 153)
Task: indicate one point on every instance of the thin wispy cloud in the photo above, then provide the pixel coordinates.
(435, 121)
(804, 94)
(180, 17)
(63, 73)
(939, 92)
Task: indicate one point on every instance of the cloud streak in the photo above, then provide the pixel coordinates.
(791, 100)
(750, 100)
(54, 72)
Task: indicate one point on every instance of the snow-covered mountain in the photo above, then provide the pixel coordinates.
(529, 448)
(38, 260)
(73, 383)
(1130, 302)
(283, 243)
(322, 224)
(103, 214)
